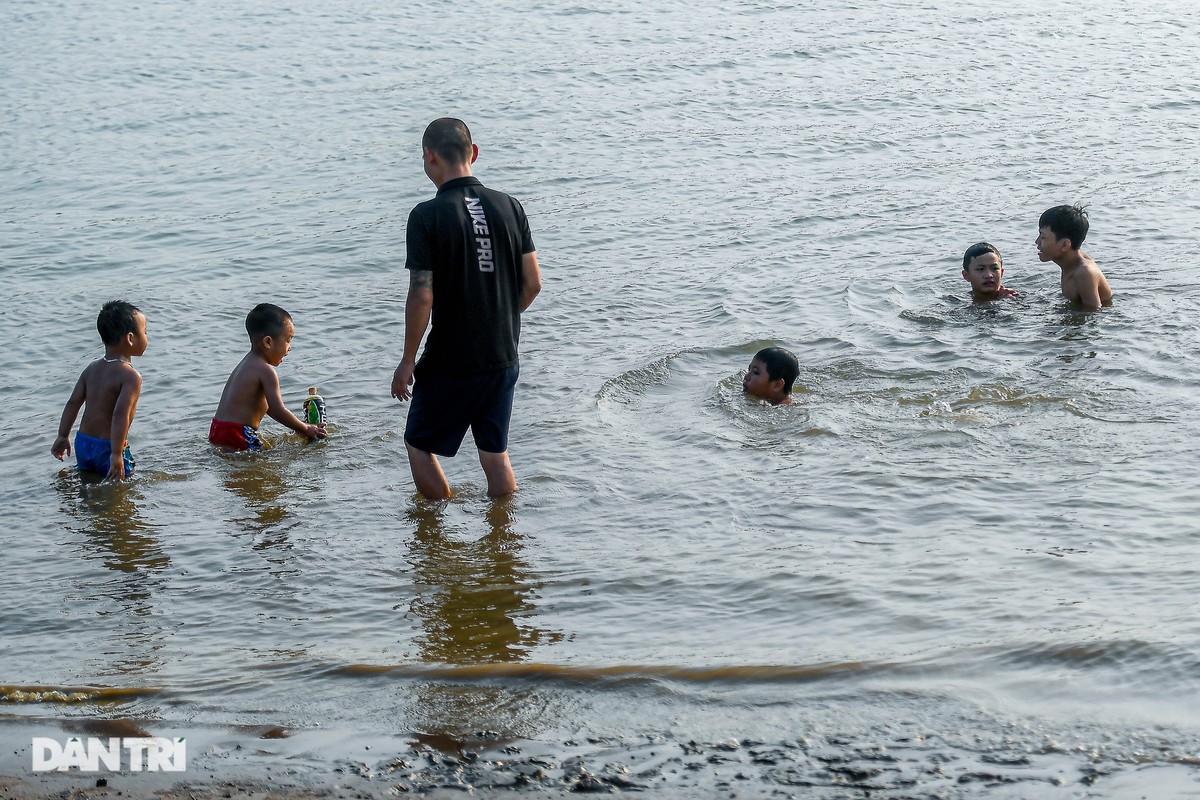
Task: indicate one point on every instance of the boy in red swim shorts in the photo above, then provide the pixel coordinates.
(252, 390)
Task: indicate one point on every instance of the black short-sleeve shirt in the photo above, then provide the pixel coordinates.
(472, 239)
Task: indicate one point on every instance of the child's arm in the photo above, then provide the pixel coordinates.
(62, 444)
(122, 419)
(1088, 286)
(278, 411)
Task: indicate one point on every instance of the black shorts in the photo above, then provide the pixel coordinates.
(445, 404)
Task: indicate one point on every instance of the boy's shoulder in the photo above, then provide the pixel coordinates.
(1090, 264)
(1082, 259)
(252, 367)
(1085, 268)
(110, 371)
(1084, 283)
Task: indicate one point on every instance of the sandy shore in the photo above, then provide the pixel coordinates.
(79, 787)
(268, 763)
(1160, 783)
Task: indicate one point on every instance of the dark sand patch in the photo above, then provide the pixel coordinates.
(266, 763)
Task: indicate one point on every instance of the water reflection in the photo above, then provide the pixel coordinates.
(471, 594)
(270, 484)
(474, 601)
(109, 517)
(262, 484)
(1075, 328)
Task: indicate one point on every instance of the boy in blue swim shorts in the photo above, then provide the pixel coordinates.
(108, 391)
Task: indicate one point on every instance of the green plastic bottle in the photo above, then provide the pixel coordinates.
(314, 408)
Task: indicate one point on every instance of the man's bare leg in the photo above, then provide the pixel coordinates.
(427, 474)
(498, 470)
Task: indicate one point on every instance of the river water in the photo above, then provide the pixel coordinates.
(961, 564)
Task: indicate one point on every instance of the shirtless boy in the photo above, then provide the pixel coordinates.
(252, 390)
(983, 268)
(771, 374)
(1061, 231)
(108, 389)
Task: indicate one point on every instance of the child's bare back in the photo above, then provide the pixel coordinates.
(107, 390)
(106, 386)
(1083, 284)
(244, 399)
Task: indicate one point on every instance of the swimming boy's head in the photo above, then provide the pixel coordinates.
(1060, 229)
(983, 268)
(271, 331)
(771, 374)
(122, 324)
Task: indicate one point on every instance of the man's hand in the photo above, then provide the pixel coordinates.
(314, 431)
(402, 380)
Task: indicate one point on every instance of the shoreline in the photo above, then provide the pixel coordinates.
(264, 763)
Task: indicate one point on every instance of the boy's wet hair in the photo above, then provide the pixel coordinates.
(780, 363)
(978, 249)
(1069, 222)
(115, 320)
(450, 139)
(265, 319)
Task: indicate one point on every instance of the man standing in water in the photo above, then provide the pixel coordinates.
(473, 269)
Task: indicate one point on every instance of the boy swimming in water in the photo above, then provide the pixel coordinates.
(108, 389)
(983, 268)
(771, 374)
(1061, 231)
(252, 390)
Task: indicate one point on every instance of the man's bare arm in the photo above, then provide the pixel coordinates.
(417, 310)
(531, 279)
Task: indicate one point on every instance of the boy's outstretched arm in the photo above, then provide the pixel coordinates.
(62, 444)
(122, 419)
(279, 412)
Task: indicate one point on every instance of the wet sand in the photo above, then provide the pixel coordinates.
(273, 763)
